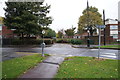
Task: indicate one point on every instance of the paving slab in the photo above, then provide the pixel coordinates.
(54, 60)
(47, 69)
(43, 70)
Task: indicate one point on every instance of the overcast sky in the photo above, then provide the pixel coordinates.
(66, 12)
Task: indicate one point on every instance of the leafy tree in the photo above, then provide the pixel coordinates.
(60, 33)
(89, 19)
(49, 33)
(28, 18)
(1, 20)
(70, 32)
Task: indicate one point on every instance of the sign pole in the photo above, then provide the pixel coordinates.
(99, 42)
(43, 44)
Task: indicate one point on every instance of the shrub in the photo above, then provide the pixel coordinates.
(62, 41)
(76, 41)
(27, 42)
(92, 42)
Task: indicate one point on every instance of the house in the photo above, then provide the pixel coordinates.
(5, 32)
(111, 28)
(80, 36)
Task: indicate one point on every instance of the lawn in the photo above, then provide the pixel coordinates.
(111, 46)
(87, 67)
(17, 66)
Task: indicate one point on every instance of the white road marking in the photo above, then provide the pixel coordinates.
(109, 55)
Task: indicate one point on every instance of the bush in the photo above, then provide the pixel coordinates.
(92, 42)
(76, 41)
(26, 42)
(62, 41)
(72, 41)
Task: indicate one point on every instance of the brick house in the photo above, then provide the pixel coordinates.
(111, 29)
(80, 36)
(6, 33)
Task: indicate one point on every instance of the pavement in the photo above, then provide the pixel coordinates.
(47, 69)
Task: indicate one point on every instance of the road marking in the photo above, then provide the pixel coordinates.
(94, 49)
(26, 53)
(109, 55)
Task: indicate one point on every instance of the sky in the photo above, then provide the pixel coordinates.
(65, 13)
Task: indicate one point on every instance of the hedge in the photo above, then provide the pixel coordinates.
(72, 41)
(26, 41)
(76, 41)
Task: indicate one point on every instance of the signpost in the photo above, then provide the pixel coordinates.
(99, 27)
(43, 44)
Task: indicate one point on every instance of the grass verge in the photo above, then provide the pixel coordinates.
(87, 67)
(111, 46)
(14, 67)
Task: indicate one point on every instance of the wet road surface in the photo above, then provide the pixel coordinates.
(58, 49)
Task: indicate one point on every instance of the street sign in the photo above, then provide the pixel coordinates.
(100, 26)
(43, 32)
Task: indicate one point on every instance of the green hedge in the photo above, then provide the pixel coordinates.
(76, 41)
(62, 41)
(72, 41)
(26, 41)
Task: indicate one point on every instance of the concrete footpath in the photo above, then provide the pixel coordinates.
(47, 69)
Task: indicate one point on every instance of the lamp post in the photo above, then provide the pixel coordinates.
(104, 28)
(43, 44)
(1, 35)
(88, 39)
(88, 25)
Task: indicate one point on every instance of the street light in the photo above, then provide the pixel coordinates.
(104, 28)
(1, 35)
(88, 25)
(43, 44)
(88, 39)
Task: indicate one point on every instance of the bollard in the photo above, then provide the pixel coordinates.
(43, 46)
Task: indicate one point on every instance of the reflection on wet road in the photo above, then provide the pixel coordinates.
(57, 49)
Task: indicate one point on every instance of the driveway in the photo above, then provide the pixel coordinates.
(58, 49)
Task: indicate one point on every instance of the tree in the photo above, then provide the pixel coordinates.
(90, 18)
(1, 20)
(28, 18)
(49, 33)
(60, 33)
(70, 32)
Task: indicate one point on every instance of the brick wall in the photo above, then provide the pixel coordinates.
(6, 33)
(95, 39)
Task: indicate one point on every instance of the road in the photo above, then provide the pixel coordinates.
(58, 49)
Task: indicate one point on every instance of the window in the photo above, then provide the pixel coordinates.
(114, 32)
(113, 27)
(115, 36)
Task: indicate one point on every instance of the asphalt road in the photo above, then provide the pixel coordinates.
(57, 49)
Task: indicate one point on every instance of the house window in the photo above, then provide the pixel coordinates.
(114, 32)
(113, 27)
(79, 37)
(115, 36)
